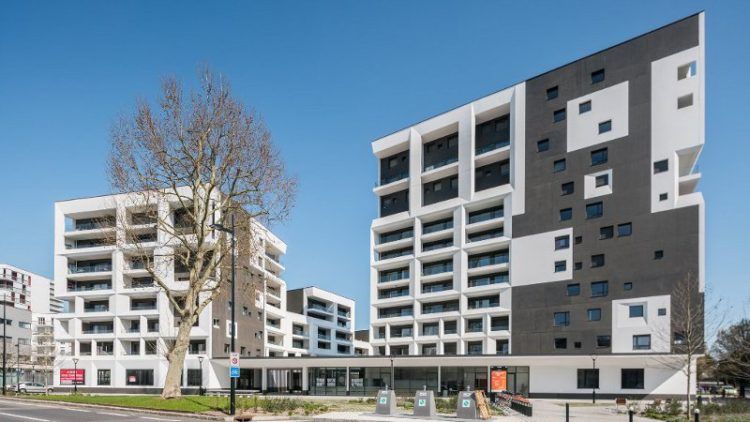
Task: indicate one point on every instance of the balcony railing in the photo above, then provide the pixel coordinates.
(97, 330)
(485, 260)
(88, 287)
(492, 146)
(89, 268)
(441, 163)
(485, 215)
(324, 336)
(91, 223)
(437, 268)
(394, 178)
(96, 308)
(142, 306)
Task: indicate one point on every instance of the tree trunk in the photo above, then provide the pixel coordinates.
(687, 394)
(177, 360)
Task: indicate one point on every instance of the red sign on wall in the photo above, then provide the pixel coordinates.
(71, 376)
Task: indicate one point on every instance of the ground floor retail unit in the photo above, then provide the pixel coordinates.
(634, 375)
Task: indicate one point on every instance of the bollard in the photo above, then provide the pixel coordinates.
(697, 415)
(630, 415)
(567, 412)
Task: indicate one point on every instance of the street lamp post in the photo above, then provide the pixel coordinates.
(4, 339)
(232, 381)
(18, 366)
(393, 375)
(33, 378)
(593, 384)
(200, 362)
(75, 375)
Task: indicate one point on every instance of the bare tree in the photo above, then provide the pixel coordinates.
(732, 348)
(189, 164)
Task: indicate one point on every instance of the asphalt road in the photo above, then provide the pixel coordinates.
(17, 411)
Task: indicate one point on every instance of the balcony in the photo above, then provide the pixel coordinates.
(142, 304)
(393, 293)
(82, 267)
(399, 274)
(88, 243)
(491, 147)
(437, 287)
(97, 329)
(96, 306)
(439, 307)
(485, 215)
(397, 253)
(437, 268)
(83, 224)
(89, 286)
(484, 260)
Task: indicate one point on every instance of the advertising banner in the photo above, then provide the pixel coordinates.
(498, 380)
(69, 376)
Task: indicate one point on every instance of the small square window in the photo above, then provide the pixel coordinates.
(603, 341)
(627, 286)
(562, 242)
(584, 107)
(558, 166)
(594, 314)
(599, 289)
(574, 289)
(558, 115)
(577, 344)
(636, 311)
(624, 229)
(663, 196)
(597, 76)
(599, 156)
(602, 180)
(594, 210)
(661, 166)
(567, 188)
(542, 145)
(578, 266)
(597, 261)
(566, 214)
(687, 71)
(658, 254)
(561, 343)
(552, 93)
(579, 240)
(662, 311)
(605, 127)
(561, 319)
(560, 266)
(642, 342)
(606, 232)
(685, 101)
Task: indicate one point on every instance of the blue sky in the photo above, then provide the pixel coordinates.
(328, 77)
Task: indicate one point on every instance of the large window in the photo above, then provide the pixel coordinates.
(574, 289)
(103, 377)
(594, 210)
(567, 188)
(561, 319)
(194, 377)
(588, 378)
(599, 289)
(474, 348)
(625, 229)
(562, 242)
(599, 156)
(594, 314)
(139, 377)
(329, 381)
(597, 76)
(566, 214)
(636, 311)
(632, 379)
(642, 342)
(603, 341)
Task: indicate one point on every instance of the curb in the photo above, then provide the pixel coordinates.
(127, 409)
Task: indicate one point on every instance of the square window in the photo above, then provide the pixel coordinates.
(558, 166)
(594, 314)
(627, 286)
(566, 214)
(685, 101)
(552, 93)
(597, 76)
(562, 242)
(658, 254)
(631, 379)
(561, 319)
(663, 197)
(625, 229)
(605, 127)
(597, 261)
(687, 71)
(599, 289)
(661, 166)
(584, 107)
(602, 180)
(578, 266)
(588, 378)
(574, 289)
(607, 232)
(594, 210)
(561, 343)
(558, 115)
(560, 266)
(642, 342)
(567, 188)
(577, 344)
(603, 341)
(662, 311)
(599, 156)
(636, 311)
(542, 145)
(579, 240)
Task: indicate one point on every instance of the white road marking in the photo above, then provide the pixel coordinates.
(76, 410)
(112, 414)
(24, 417)
(160, 419)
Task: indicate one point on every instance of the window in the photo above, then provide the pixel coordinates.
(679, 338)
(567, 188)
(588, 378)
(475, 348)
(603, 341)
(566, 214)
(636, 311)
(606, 232)
(559, 115)
(552, 93)
(597, 76)
(687, 71)
(627, 286)
(601, 180)
(584, 107)
(594, 314)
(599, 157)
(599, 289)
(578, 266)
(663, 196)
(658, 254)
(558, 166)
(561, 343)
(474, 325)
(662, 311)
(542, 145)
(625, 229)
(594, 210)
(562, 242)
(194, 378)
(661, 166)
(217, 323)
(559, 266)
(561, 319)
(605, 127)
(642, 342)
(574, 289)
(139, 377)
(685, 101)
(578, 240)
(450, 327)
(577, 344)
(103, 377)
(597, 261)
(631, 379)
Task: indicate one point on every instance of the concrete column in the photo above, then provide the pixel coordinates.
(264, 380)
(347, 382)
(439, 369)
(305, 381)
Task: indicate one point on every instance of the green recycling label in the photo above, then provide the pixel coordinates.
(422, 402)
(466, 403)
(383, 400)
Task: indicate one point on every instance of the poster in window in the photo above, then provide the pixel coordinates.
(498, 380)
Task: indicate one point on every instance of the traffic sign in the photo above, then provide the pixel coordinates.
(234, 365)
(234, 372)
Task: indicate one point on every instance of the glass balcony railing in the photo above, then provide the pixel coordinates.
(96, 308)
(143, 306)
(493, 146)
(98, 330)
(401, 333)
(387, 276)
(437, 226)
(88, 287)
(439, 268)
(394, 236)
(440, 163)
(390, 294)
(438, 287)
(489, 279)
(394, 178)
(439, 307)
(490, 234)
(93, 223)
(485, 260)
(484, 215)
(90, 268)
(395, 253)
